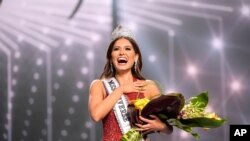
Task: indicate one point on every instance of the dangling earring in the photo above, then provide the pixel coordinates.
(111, 68)
(135, 66)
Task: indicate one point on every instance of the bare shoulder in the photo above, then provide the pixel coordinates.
(96, 85)
(151, 83)
(152, 89)
(96, 82)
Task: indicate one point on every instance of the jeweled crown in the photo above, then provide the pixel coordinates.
(121, 31)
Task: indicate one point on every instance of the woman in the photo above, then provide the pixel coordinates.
(124, 64)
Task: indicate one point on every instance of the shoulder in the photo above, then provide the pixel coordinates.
(153, 88)
(97, 83)
(151, 83)
(97, 87)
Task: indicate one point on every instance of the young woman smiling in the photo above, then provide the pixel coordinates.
(119, 84)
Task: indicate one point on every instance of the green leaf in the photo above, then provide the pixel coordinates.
(199, 101)
(203, 122)
(177, 123)
(131, 135)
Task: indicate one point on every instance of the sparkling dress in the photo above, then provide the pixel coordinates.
(111, 130)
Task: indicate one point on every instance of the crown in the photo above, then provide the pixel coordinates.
(121, 31)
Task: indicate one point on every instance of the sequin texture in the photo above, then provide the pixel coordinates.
(111, 130)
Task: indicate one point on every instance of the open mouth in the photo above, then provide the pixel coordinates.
(122, 60)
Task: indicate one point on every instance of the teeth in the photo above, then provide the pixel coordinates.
(122, 60)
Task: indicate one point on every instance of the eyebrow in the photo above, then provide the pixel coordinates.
(125, 46)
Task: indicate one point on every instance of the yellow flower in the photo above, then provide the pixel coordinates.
(141, 103)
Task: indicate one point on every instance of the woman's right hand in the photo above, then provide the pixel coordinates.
(136, 86)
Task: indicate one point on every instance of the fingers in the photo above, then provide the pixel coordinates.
(140, 89)
(145, 120)
(154, 124)
(154, 117)
(140, 85)
(142, 127)
(137, 86)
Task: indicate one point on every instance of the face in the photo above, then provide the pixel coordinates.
(123, 55)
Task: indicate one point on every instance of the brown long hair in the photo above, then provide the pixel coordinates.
(107, 72)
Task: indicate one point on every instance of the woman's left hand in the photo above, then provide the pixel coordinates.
(154, 124)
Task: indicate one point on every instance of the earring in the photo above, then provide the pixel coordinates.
(135, 66)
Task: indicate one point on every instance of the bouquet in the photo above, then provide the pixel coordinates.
(174, 110)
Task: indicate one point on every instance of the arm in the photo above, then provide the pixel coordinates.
(100, 104)
(154, 124)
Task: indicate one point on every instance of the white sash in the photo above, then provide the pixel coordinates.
(121, 106)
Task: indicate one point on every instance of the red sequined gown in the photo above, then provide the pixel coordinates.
(111, 130)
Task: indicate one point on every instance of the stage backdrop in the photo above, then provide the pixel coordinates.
(51, 50)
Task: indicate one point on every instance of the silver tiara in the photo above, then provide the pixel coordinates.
(121, 31)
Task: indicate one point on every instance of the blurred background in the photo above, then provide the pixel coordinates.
(51, 50)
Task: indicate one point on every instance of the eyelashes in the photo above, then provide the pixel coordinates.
(118, 48)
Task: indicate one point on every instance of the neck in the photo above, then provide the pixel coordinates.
(124, 78)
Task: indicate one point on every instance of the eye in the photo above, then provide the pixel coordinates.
(128, 48)
(115, 48)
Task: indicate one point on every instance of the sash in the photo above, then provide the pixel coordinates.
(121, 106)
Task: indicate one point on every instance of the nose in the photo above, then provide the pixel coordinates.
(121, 51)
